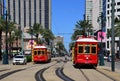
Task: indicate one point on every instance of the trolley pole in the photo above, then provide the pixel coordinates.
(113, 38)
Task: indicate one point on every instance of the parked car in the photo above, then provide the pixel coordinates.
(19, 59)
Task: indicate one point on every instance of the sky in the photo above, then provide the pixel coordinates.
(65, 14)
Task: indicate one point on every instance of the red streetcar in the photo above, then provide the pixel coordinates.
(85, 51)
(41, 53)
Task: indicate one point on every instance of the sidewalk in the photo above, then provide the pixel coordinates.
(107, 69)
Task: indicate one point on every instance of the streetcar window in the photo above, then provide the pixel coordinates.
(35, 52)
(80, 49)
(87, 49)
(42, 52)
(93, 49)
(39, 52)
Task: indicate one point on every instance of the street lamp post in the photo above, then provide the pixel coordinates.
(113, 38)
(22, 41)
(5, 55)
(101, 44)
(31, 30)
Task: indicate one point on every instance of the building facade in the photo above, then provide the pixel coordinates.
(27, 12)
(92, 13)
(108, 22)
(88, 10)
(58, 39)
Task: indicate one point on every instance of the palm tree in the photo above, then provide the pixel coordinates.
(2, 25)
(11, 40)
(37, 29)
(48, 35)
(11, 27)
(60, 47)
(82, 28)
(18, 36)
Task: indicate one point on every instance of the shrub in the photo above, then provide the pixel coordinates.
(29, 58)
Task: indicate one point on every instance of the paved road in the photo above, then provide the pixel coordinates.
(32, 71)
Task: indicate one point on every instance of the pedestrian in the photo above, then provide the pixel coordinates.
(108, 56)
(65, 57)
(117, 55)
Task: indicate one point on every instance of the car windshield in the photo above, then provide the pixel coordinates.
(18, 56)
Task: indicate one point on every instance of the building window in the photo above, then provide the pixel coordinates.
(118, 10)
(40, 11)
(34, 11)
(29, 12)
(14, 10)
(108, 12)
(108, 6)
(9, 6)
(19, 11)
(24, 13)
(118, 3)
(108, 44)
(47, 14)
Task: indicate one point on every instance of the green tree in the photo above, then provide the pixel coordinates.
(18, 35)
(2, 25)
(37, 29)
(47, 35)
(11, 27)
(60, 47)
(82, 28)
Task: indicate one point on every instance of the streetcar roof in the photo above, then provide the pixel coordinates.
(86, 40)
(40, 47)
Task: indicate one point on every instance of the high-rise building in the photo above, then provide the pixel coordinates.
(108, 22)
(88, 10)
(96, 12)
(92, 13)
(27, 12)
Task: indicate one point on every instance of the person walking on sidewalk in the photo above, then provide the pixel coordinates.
(108, 56)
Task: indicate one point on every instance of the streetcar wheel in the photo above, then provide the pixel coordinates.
(76, 65)
(95, 66)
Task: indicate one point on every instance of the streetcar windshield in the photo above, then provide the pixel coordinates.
(87, 49)
(39, 52)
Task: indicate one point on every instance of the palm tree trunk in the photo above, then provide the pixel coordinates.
(0, 44)
(10, 45)
(119, 47)
(37, 38)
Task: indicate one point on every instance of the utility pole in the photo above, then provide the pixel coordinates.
(113, 37)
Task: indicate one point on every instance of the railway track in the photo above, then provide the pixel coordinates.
(95, 75)
(60, 73)
(55, 68)
(17, 68)
(10, 73)
(39, 74)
